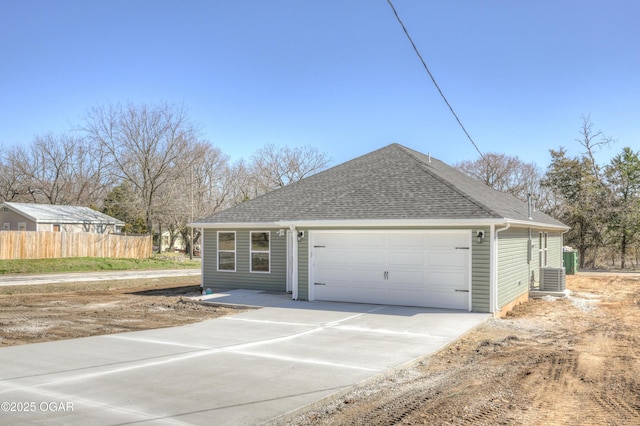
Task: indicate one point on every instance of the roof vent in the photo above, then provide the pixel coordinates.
(530, 207)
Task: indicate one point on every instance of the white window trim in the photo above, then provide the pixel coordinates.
(22, 226)
(234, 251)
(543, 240)
(6, 226)
(251, 251)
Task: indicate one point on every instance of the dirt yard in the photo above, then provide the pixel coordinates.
(42, 313)
(572, 361)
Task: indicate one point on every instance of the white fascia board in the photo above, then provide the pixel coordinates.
(20, 212)
(232, 225)
(374, 223)
(391, 223)
(531, 224)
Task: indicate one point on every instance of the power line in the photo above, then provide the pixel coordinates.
(424, 64)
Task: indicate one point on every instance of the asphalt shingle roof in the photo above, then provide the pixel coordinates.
(393, 182)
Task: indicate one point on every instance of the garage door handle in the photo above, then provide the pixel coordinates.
(319, 284)
(463, 291)
(462, 248)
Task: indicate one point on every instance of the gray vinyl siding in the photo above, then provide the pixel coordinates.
(513, 266)
(242, 278)
(13, 219)
(481, 272)
(554, 244)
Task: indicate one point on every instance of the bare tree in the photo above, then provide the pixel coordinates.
(582, 198)
(204, 188)
(13, 186)
(146, 145)
(592, 141)
(506, 174)
(59, 169)
(274, 167)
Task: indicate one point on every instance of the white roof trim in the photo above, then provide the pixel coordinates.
(391, 223)
(19, 209)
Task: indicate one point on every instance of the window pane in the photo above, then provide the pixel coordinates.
(227, 261)
(226, 241)
(260, 262)
(260, 241)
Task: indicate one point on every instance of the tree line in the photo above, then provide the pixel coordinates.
(148, 166)
(600, 202)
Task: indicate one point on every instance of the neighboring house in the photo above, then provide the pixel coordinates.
(178, 243)
(48, 217)
(391, 227)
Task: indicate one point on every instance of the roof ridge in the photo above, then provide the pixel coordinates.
(414, 155)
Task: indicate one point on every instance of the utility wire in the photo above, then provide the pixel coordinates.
(424, 64)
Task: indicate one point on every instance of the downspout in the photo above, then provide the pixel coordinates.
(294, 261)
(562, 250)
(201, 260)
(493, 288)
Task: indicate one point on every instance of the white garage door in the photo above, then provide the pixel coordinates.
(412, 268)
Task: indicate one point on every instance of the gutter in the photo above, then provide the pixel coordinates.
(373, 223)
(294, 261)
(381, 223)
(493, 286)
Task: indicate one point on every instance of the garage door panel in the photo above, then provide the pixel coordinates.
(365, 275)
(353, 293)
(406, 297)
(449, 300)
(367, 241)
(398, 278)
(398, 268)
(411, 259)
(447, 258)
(366, 257)
(406, 242)
(332, 257)
(448, 280)
(447, 240)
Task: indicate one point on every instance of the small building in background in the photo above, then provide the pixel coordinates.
(56, 218)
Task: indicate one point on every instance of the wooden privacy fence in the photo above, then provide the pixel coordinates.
(48, 245)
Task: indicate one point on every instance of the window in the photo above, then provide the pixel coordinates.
(6, 226)
(56, 228)
(260, 251)
(22, 226)
(226, 251)
(543, 241)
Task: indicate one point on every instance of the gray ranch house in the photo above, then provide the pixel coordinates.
(391, 227)
(55, 218)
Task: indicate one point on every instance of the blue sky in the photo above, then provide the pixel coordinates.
(336, 74)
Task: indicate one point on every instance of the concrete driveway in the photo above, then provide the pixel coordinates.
(246, 368)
